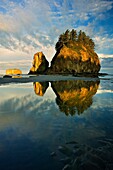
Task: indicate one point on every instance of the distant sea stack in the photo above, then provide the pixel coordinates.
(14, 71)
(40, 64)
(75, 54)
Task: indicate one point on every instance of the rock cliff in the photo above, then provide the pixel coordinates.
(75, 54)
(77, 60)
(40, 64)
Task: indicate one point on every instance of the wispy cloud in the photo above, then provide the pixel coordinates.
(105, 55)
(33, 25)
(104, 43)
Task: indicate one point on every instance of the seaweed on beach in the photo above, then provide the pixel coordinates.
(85, 157)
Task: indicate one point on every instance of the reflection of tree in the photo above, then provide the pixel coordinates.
(40, 88)
(74, 96)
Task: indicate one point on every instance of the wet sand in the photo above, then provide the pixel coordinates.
(42, 78)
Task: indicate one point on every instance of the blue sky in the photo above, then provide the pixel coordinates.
(28, 26)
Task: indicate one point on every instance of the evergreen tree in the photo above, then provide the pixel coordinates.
(66, 36)
(73, 35)
(87, 41)
(91, 44)
(84, 39)
(80, 36)
(60, 42)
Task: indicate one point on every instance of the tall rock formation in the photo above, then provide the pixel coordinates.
(75, 54)
(40, 64)
(67, 60)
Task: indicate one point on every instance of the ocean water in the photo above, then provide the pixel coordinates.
(54, 125)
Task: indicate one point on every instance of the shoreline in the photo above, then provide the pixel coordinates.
(25, 78)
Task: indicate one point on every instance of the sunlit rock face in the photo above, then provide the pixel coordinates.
(40, 88)
(13, 71)
(40, 64)
(74, 96)
(77, 59)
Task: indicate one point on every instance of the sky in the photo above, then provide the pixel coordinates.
(29, 26)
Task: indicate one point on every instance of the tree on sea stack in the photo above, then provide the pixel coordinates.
(75, 54)
(40, 64)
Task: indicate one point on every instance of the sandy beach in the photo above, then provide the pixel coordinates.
(41, 78)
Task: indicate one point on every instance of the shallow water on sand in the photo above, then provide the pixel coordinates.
(38, 117)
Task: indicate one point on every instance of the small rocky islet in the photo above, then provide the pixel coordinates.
(74, 55)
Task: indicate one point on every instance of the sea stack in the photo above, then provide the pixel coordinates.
(14, 71)
(40, 64)
(75, 54)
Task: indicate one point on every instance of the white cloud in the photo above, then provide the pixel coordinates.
(24, 18)
(36, 25)
(103, 42)
(105, 55)
(26, 54)
(104, 91)
(10, 54)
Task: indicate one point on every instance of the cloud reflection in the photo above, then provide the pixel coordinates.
(40, 118)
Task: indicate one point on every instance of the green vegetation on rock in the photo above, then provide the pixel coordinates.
(75, 54)
(75, 41)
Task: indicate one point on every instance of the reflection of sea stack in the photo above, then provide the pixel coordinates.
(74, 96)
(40, 88)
